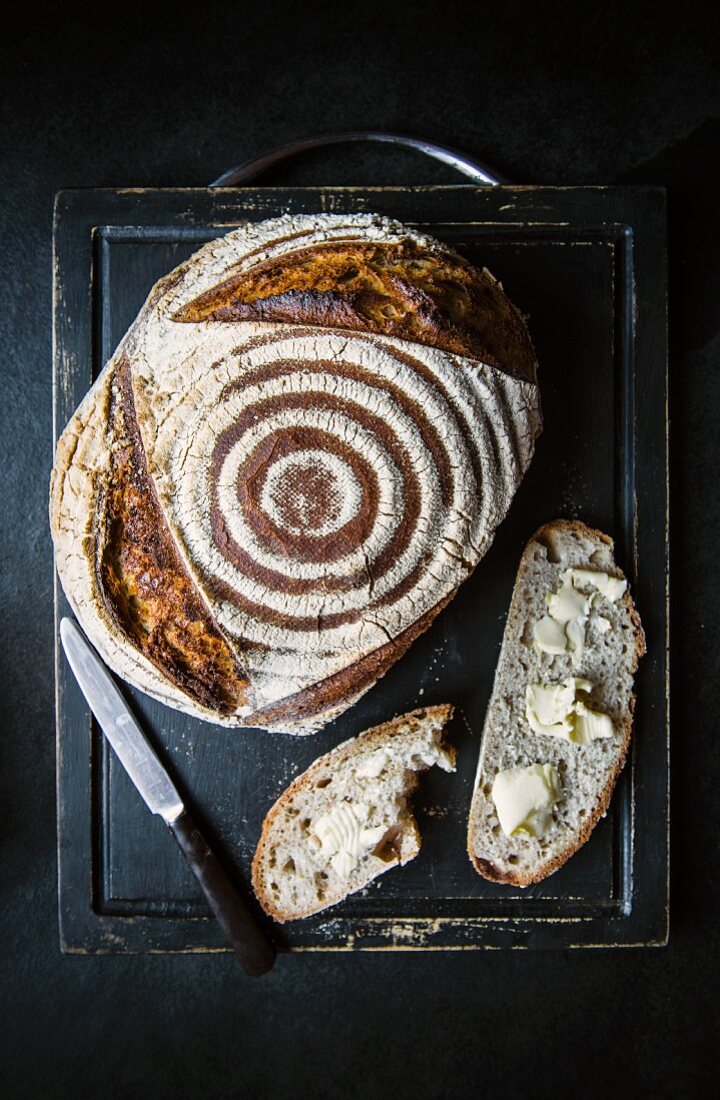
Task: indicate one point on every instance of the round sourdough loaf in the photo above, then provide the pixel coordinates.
(298, 452)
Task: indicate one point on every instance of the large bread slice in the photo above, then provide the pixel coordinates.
(586, 773)
(346, 819)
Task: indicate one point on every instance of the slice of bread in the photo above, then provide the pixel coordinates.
(346, 819)
(580, 777)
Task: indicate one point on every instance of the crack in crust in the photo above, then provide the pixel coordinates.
(403, 290)
(143, 582)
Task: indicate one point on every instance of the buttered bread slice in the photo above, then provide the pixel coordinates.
(559, 721)
(346, 819)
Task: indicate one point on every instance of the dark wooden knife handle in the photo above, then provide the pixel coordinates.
(243, 932)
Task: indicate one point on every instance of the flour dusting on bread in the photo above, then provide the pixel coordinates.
(297, 454)
(347, 819)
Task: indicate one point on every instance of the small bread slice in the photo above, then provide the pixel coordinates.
(356, 797)
(585, 773)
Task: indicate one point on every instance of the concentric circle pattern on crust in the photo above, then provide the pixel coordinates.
(325, 489)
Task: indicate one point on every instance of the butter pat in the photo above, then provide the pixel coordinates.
(344, 837)
(525, 797)
(549, 709)
(373, 765)
(563, 628)
(610, 587)
(558, 710)
(550, 636)
(575, 631)
(567, 603)
(344, 863)
(589, 725)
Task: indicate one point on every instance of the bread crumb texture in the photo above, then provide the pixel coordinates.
(347, 819)
(587, 772)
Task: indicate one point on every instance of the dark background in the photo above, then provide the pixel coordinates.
(161, 95)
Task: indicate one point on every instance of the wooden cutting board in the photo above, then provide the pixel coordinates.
(588, 265)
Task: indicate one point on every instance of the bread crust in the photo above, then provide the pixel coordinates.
(77, 486)
(367, 740)
(546, 535)
(404, 289)
(230, 694)
(143, 582)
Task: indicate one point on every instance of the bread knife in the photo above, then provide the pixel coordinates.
(146, 771)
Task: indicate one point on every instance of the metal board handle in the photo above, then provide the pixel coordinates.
(455, 159)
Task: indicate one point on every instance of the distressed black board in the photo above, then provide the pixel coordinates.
(588, 265)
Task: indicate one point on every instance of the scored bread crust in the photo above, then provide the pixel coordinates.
(156, 347)
(408, 288)
(484, 835)
(432, 720)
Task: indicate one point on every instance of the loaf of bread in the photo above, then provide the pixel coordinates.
(298, 452)
(346, 819)
(559, 721)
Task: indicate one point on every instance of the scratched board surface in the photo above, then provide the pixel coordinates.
(588, 266)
